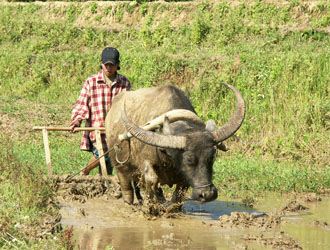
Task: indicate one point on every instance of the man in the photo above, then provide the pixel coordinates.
(94, 102)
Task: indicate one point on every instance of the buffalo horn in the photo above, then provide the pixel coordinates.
(173, 115)
(151, 138)
(236, 120)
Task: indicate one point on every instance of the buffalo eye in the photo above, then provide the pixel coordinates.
(190, 159)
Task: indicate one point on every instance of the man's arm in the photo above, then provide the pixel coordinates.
(80, 110)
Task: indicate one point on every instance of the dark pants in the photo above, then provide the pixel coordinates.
(107, 159)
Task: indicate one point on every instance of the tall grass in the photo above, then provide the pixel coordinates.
(277, 55)
(27, 209)
(237, 177)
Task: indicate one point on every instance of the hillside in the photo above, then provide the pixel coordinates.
(275, 52)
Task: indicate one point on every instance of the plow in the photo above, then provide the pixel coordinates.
(173, 115)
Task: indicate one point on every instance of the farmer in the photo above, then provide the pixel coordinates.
(94, 102)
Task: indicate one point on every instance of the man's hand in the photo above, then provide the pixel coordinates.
(74, 126)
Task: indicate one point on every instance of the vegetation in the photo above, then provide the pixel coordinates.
(276, 53)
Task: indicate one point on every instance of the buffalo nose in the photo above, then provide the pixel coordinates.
(202, 197)
(206, 194)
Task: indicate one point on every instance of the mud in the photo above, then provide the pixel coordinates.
(322, 224)
(83, 188)
(101, 220)
(247, 220)
(277, 241)
(293, 206)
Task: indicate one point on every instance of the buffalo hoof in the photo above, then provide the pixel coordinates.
(128, 197)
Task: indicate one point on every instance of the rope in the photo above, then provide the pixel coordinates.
(78, 172)
(116, 148)
(206, 185)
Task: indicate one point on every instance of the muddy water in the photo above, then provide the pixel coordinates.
(312, 227)
(102, 224)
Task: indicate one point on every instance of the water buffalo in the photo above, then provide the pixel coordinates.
(180, 152)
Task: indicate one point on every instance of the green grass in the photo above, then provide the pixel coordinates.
(237, 176)
(26, 203)
(276, 54)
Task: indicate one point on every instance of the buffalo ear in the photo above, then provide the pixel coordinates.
(222, 147)
(167, 130)
(211, 126)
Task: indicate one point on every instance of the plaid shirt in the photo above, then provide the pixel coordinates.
(93, 103)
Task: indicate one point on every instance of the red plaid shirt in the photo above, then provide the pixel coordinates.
(94, 99)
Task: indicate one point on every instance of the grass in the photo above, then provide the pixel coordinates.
(239, 176)
(26, 204)
(276, 54)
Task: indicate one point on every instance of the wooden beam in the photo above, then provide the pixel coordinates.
(68, 128)
(47, 152)
(101, 152)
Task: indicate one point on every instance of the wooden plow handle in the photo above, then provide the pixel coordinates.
(68, 128)
(45, 130)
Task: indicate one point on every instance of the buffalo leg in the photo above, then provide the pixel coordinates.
(126, 186)
(154, 192)
(137, 192)
(179, 193)
(150, 178)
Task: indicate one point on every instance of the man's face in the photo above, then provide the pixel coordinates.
(109, 69)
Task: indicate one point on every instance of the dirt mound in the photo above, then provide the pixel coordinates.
(320, 224)
(166, 210)
(308, 197)
(82, 188)
(277, 241)
(293, 206)
(244, 220)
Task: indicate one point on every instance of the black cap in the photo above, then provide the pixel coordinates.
(110, 55)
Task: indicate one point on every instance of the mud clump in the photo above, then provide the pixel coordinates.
(82, 188)
(153, 211)
(320, 224)
(277, 241)
(243, 220)
(293, 206)
(309, 197)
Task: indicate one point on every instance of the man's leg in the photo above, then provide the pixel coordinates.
(92, 163)
(108, 166)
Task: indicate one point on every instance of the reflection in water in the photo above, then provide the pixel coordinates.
(214, 209)
(102, 229)
(194, 231)
(304, 228)
(135, 238)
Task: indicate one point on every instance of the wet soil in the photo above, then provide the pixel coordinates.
(101, 220)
